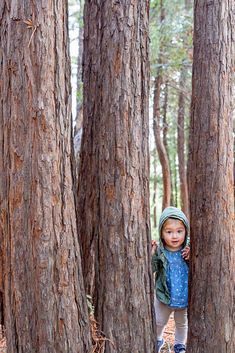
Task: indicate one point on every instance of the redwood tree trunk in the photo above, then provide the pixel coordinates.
(114, 173)
(211, 181)
(45, 304)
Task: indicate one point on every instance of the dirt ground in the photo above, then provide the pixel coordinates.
(168, 336)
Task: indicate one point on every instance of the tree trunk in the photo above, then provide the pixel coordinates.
(234, 164)
(181, 145)
(188, 4)
(79, 100)
(211, 182)
(114, 173)
(155, 191)
(45, 303)
(165, 133)
(162, 152)
(165, 123)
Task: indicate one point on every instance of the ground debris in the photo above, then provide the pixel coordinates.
(98, 338)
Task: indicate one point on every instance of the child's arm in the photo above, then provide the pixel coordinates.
(154, 256)
(154, 247)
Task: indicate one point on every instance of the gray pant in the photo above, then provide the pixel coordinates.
(163, 313)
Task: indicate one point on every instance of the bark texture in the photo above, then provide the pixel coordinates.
(114, 172)
(45, 304)
(211, 181)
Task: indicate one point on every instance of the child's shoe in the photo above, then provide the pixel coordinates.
(159, 345)
(179, 348)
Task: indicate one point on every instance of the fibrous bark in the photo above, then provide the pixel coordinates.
(211, 181)
(45, 304)
(114, 172)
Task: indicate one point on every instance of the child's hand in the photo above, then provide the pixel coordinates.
(154, 247)
(186, 252)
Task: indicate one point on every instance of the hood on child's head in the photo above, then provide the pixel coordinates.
(176, 213)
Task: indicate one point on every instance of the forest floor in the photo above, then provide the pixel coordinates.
(168, 336)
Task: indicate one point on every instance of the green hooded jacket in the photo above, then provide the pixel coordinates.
(159, 261)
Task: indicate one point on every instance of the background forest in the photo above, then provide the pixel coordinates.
(170, 96)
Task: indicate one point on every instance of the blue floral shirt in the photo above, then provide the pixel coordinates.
(177, 279)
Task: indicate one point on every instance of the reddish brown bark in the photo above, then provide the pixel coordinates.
(114, 173)
(211, 182)
(45, 303)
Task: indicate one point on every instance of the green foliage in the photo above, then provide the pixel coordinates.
(170, 40)
(90, 305)
(80, 92)
(173, 35)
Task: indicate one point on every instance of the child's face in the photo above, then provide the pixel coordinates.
(173, 234)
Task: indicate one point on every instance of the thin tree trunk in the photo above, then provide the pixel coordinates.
(188, 4)
(175, 176)
(165, 132)
(162, 153)
(212, 279)
(165, 124)
(181, 145)
(114, 173)
(155, 191)
(79, 100)
(45, 303)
